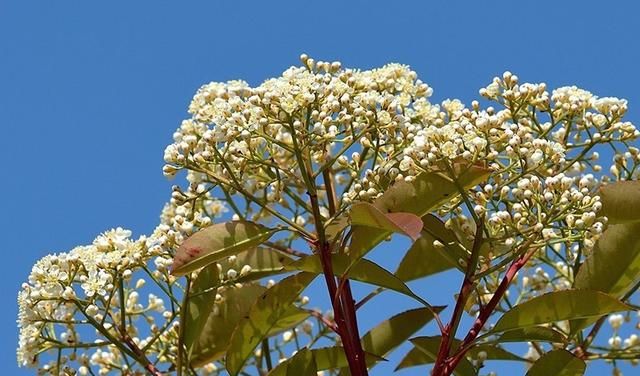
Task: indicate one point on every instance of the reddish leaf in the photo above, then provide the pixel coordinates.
(366, 214)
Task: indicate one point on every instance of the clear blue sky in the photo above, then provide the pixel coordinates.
(90, 92)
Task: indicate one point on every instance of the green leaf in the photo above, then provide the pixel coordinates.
(272, 311)
(362, 270)
(366, 214)
(217, 242)
(376, 343)
(416, 357)
(391, 333)
(202, 298)
(429, 347)
(334, 358)
(330, 358)
(621, 201)
(364, 239)
(428, 191)
(424, 259)
(323, 359)
(264, 262)
(334, 226)
(614, 265)
(558, 306)
(533, 333)
(205, 334)
(214, 337)
(494, 352)
(303, 363)
(558, 363)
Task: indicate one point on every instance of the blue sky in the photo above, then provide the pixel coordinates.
(90, 92)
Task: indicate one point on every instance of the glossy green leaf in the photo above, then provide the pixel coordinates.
(366, 214)
(264, 262)
(614, 265)
(558, 363)
(362, 270)
(376, 343)
(429, 347)
(364, 239)
(214, 337)
(416, 357)
(428, 191)
(621, 201)
(270, 312)
(202, 298)
(533, 333)
(494, 352)
(303, 363)
(558, 306)
(334, 358)
(217, 242)
(326, 358)
(424, 259)
(391, 333)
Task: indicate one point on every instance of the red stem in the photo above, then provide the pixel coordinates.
(349, 311)
(449, 364)
(344, 311)
(449, 332)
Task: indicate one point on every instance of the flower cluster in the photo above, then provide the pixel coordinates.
(69, 295)
(337, 135)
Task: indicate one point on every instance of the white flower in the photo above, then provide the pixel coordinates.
(616, 320)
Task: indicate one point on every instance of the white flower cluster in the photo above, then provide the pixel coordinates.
(70, 294)
(353, 133)
(245, 139)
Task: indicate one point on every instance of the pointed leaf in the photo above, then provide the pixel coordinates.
(558, 363)
(424, 259)
(362, 270)
(428, 191)
(366, 214)
(416, 357)
(393, 332)
(202, 298)
(621, 201)
(378, 342)
(534, 333)
(217, 242)
(494, 352)
(334, 358)
(614, 265)
(302, 363)
(429, 347)
(364, 239)
(222, 320)
(268, 313)
(558, 306)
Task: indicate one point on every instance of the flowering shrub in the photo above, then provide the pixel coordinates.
(318, 167)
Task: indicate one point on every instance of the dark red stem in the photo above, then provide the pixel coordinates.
(344, 311)
(445, 366)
